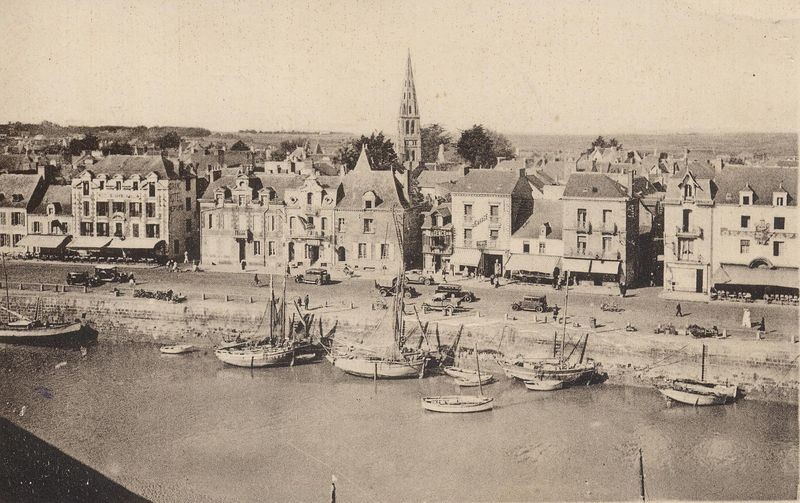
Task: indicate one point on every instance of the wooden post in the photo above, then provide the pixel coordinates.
(204, 296)
(703, 364)
(375, 372)
(641, 475)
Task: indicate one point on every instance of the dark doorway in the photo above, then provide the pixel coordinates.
(291, 252)
(437, 263)
(313, 253)
(341, 254)
(698, 281)
(241, 249)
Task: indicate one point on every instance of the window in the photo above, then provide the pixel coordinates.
(188, 184)
(369, 226)
(188, 225)
(494, 210)
(241, 200)
(340, 225)
(135, 209)
(581, 215)
(135, 230)
(291, 224)
(135, 185)
(685, 249)
(221, 220)
(85, 188)
(745, 200)
(384, 251)
(87, 228)
(16, 238)
(256, 247)
(688, 190)
(3, 239)
(606, 216)
(271, 248)
(150, 209)
(102, 184)
(581, 245)
(17, 218)
(467, 210)
(3, 217)
(118, 229)
(362, 250)
(745, 221)
(151, 190)
(777, 248)
(494, 234)
(118, 185)
(526, 247)
(102, 208)
(188, 204)
(541, 248)
(272, 222)
(779, 223)
(606, 244)
(744, 246)
(117, 207)
(309, 198)
(37, 227)
(323, 223)
(102, 229)
(467, 237)
(210, 221)
(152, 231)
(367, 204)
(780, 201)
(687, 216)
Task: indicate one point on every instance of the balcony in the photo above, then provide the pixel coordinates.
(609, 228)
(438, 248)
(308, 234)
(577, 252)
(690, 258)
(583, 226)
(688, 232)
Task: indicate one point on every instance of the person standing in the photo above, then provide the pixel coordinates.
(555, 313)
(186, 257)
(678, 311)
(255, 280)
(622, 288)
(305, 302)
(763, 326)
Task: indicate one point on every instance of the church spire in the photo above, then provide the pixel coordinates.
(409, 141)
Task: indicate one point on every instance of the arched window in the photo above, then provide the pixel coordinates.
(412, 127)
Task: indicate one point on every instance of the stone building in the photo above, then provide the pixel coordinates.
(135, 206)
(19, 195)
(50, 223)
(409, 137)
(437, 238)
(537, 247)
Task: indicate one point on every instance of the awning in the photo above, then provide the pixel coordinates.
(134, 243)
(605, 266)
(576, 264)
(731, 274)
(466, 256)
(88, 243)
(40, 241)
(532, 263)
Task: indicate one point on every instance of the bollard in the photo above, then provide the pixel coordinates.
(477, 314)
(351, 306)
(724, 333)
(204, 295)
(226, 298)
(85, 289)
(41, 287)
(251, 299)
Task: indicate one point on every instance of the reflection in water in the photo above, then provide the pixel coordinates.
(188, 428)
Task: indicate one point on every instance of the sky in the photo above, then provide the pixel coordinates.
(578, 67)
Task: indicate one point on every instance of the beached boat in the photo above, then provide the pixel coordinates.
(255, 356)
(458, 403)
(544, 384)
(702, 392)
(472, 382)
(460, 373)
(380, 368)
(178, 349)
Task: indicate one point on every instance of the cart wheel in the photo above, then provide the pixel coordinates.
(515, 307)
(468, 298)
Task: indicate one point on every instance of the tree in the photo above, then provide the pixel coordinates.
(240, 146)
(433, 136)
(379, 148)
(501, 146)
(88, 143)
(601, 142)
(476, 148)
(117, 148)
(286, 147)
(169, 140)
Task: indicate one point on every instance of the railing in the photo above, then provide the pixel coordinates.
(688, 232)
(582, 226)
(577, 252)
(609, 228)
(690, 257)
(308, 234)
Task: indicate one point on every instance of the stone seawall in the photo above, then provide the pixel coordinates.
(764, 369)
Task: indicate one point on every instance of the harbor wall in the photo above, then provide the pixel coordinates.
(764, 369)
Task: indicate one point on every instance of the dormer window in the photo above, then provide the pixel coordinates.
(16, 198)
(119, 185)
(135, 186)
(780, 196)
(746, 196)
(688, 191)
(85, 188)
(367, 204)
(370, 200)
(220, 199)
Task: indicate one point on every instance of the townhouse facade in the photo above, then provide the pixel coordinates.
(50, 223)
(537, 247)
(437, 238)
(19, 195)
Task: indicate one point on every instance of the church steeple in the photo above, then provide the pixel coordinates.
(409, 140)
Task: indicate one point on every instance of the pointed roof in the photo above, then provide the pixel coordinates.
(363, 179)
(363, 163)
(408, 105)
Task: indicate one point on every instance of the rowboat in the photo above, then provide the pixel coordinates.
(544, 384)
(380, 368)
(178, 349)
(472, 382)
(25, 331)
(567, 374)
(458, 403)
(693, 392)
(255, 356)
(460, 373)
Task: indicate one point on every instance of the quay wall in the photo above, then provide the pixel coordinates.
(764, 369)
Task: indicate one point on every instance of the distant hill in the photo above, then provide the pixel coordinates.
(51, 129)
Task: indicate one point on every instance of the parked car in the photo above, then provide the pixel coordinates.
(536, 303)
(387, 290)
(110, 274)
(442, 302)
(314, 275)
(82, 278)
(417, 277)
(455, 291)
(530, 277)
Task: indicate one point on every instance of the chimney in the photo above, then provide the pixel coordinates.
(522, 172)
(629, 182)
(342, 170)
(221, 156)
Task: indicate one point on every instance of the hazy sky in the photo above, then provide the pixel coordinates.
(539, 67)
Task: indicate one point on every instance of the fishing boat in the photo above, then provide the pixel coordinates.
(544, 384)
(178, 349)
(472, 382)
(461, 403)
(702, 392)
(255, 356)
(460, 373)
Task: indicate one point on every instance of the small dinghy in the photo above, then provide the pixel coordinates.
(461, 373)
(178, 349)
(471, 382)
(544, 384)
(458, 403)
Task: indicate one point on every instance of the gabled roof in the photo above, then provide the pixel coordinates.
(545, 211)
(487, 181)
(60, 195)
(432, 178)
(22, 186)
(593, 185)
(762, 180)
(278, 182)
(142, 165)
(363, 178)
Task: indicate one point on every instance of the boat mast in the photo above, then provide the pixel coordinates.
(478, 367)
(271, 308)
(8, 298)
(283, 309)
(703, 364)
(566, 306)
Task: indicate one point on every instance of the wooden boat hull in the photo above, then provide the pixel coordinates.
(473, 381)
(693, 392)
(544, 384)
(457, 404)
(255, 358)
(547, 371)
(382, 369)
(460, 373)
(178, 349)
(692, 398)
(26, 335)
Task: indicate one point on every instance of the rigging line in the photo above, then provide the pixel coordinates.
(330, 467)
(653, 365)
(775, 386)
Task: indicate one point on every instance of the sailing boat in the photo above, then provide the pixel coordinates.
(268, 352)
(541, 372)
(395, 361)
(23, 330)
(692, 392)
(460, 403)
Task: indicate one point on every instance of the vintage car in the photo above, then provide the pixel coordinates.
(83, 278)
(442, 302)
(455, 291)
(387, 290)
(417, 277)
(314, 275)
(536, 303)
(110, 274)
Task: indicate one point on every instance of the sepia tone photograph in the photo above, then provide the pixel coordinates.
(354, 251)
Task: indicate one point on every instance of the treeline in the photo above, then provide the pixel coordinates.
(52, 129)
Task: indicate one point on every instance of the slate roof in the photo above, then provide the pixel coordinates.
(10, 163)
(486, 181)
(556, 170)
(764, 181)
(544, 211)
(593, 185)
(363, 178)
(279, 182)
(142, 165)
(433, 178)
(60, 195)
(23, 185)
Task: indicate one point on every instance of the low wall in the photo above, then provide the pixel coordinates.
(764, 369)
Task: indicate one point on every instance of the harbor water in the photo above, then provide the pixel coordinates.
(188, 428)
